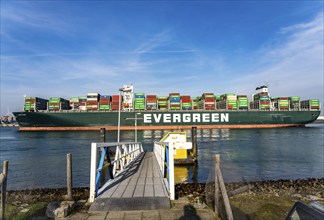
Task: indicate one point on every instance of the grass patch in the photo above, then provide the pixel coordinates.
(27, 211)
(261, 206)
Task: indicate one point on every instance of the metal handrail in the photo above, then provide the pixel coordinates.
(163, 152)
(125, 153)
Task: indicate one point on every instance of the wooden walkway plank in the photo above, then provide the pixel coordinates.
(139, 191)
(149, 191)
(129, 191)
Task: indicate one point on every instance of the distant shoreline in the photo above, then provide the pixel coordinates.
(9, 125)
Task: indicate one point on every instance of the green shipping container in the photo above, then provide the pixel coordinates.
(314, 102)
(294, 98)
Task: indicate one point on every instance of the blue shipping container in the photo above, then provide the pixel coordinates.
(174, 99)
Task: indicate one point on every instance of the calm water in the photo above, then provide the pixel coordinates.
(38, 159)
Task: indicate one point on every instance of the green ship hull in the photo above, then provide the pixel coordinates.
(153, 120)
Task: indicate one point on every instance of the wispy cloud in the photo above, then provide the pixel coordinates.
(25, 15)
(292, 67)
(160, 39)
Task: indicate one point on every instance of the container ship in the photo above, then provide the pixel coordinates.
(128, 110)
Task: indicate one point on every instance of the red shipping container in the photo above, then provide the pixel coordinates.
(186, 98)
(92, 103)
(104, 100)
(104, 103)
(209, 99)
(115, 98)
(209, 106)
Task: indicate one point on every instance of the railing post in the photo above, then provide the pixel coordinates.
(217, 167)
(116, 164)
(102, 135)
(4, 188)
(194, 141)
(171, 172)
(93, 172)
(162, 158)
(69, 175)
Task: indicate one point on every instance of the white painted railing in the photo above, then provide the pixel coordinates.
(164, 154)
(125, 153)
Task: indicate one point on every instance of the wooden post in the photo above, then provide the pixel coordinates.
(102, 135)
(4, 188)
(194, 141)
(217, 167)
(93, 172)
(223, 190)
(69, 175)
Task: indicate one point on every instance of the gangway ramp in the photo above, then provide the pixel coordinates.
(139, 186)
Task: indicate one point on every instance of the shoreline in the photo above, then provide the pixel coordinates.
(272, 199)
(279, 187)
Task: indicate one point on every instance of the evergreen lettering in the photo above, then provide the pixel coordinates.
(186, 118)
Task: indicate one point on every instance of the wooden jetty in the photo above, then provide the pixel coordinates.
(139, 187)
(138, 180)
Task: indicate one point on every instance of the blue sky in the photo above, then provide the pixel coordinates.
(70, 48)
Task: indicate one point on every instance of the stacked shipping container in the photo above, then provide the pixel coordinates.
(116, 102)
(194, 103)
(242, 102)
(163, 102)
(34, 103)
(294, 102)
(151, 102)
(174, 101)
(139, 101)
(104, 102)
(281, 103)
(207, 101)
(261, 101)
(92, 101)
(312, 104)
(74, 103)
(227, 101)
(186, 102)
(57, 104)
(83, 103)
